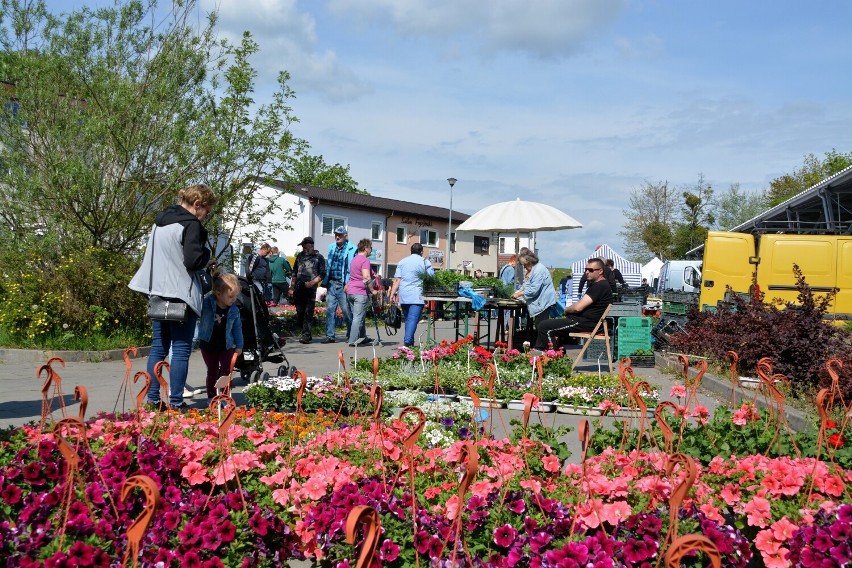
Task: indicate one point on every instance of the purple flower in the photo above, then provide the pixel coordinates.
(258, 524)
(81, 554)
(421, 542)
(11, 494)
(191, 560)
(388, 551)
(517, 506)
(436, 547)
(505, 535)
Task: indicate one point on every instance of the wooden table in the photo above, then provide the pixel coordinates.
(509, 313)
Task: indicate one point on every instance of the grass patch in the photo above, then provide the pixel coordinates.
(68, 341)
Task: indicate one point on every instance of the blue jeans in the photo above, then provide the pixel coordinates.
(177, 337)
(411, 315)
(359, 303)
(336, 297)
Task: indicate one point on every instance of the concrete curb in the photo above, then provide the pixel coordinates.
(798, 420)
(36, 356)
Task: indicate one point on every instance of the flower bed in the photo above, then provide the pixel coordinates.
(281, 486)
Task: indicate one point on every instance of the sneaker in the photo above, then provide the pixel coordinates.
(188, 392)
(328, 340)
(305, 340)
(179, 407)
(364, 341)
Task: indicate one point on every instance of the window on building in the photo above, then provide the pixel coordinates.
(502, 245)
(330, 223)
(401, 234)
(428, 238)
(391, 270)
(377, 233)
(480, 245)
(453, 242)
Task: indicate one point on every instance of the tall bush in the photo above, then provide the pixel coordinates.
(793, 334)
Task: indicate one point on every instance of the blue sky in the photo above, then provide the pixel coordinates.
(570, 102)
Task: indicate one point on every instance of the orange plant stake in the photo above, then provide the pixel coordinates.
(659, 415)
(692, 393)
(369, 518)
(680, 490)
(530, 400)
(137, 529)
(124, 390)
(735, 377)
(377, 398)
(161, 381)
(82, 396)
(469, 456)
(140, 397)
(682, 546)
(48, 394)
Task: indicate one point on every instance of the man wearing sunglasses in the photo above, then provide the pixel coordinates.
(582, 315)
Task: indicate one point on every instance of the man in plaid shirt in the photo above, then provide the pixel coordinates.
(340, 255)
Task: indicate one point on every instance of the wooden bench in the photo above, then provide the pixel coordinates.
(600, 332)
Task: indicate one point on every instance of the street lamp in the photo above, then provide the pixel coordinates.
(452, 182)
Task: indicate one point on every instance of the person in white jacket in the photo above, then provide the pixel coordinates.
(177, 249)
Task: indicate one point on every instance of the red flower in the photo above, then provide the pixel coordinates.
(836, 440)
(829, 424)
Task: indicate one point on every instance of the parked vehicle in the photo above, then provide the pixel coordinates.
(742, 261)
(679, 276)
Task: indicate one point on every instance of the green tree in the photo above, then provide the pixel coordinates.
(649, 218)
(111, 112)
(735, 206)
(696, 217)
(813, 171)
(312, 170)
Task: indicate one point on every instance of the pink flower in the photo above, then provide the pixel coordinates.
(551, 463)
(531, 484)
(678, 391)
(194, 473)
(701, 414)
(757, 511)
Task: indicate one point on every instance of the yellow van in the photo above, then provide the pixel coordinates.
(740, 260)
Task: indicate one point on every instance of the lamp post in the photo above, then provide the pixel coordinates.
(452, 182)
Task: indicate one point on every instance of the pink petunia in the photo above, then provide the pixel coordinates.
(194, 473)
(677, 391)
(531, 484)
(758, 512)
(551, 463)
(505, 535)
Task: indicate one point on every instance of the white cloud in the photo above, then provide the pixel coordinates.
(288, 41)
(543, 28)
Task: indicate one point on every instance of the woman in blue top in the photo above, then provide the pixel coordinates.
(407, 289)
(537, 291)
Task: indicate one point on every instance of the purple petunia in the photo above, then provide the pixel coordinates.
(505, 535)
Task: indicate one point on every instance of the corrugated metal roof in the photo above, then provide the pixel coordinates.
(361, 201)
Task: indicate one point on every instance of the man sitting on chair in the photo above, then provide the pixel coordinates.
(582, 315)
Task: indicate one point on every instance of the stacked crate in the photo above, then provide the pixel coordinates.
(678, 303)
(634, 334)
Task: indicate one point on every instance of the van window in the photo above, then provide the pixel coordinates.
(691, 277)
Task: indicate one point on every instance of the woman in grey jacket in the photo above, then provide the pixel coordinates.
(177, 250)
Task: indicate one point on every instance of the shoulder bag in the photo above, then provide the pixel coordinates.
(159, 308)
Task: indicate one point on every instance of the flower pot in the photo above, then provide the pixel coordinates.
(542, 406)
(484, 401)
(578, 409)
(633, 413)
(646, 361)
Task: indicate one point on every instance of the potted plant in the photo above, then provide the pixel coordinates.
(642, 358)
(585, 392)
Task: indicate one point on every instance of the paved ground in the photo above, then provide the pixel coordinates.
(20, 389)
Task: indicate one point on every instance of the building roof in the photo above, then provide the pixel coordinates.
(362, 201)
(825, 207)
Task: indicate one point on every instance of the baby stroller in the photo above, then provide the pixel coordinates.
(259, 343)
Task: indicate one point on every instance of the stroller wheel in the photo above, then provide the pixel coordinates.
(264, 376)
(255, 377)
(245, 376)
(284, 371)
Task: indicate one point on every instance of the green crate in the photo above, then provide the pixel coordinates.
(673, 308)
(633, 334)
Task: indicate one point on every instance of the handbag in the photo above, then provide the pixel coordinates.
(206, 281)
(393, 317)
(164, 309)
(159, 308)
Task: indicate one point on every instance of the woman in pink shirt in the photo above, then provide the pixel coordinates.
(358, 293)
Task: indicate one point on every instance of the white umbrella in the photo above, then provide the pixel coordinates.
(519, 217)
